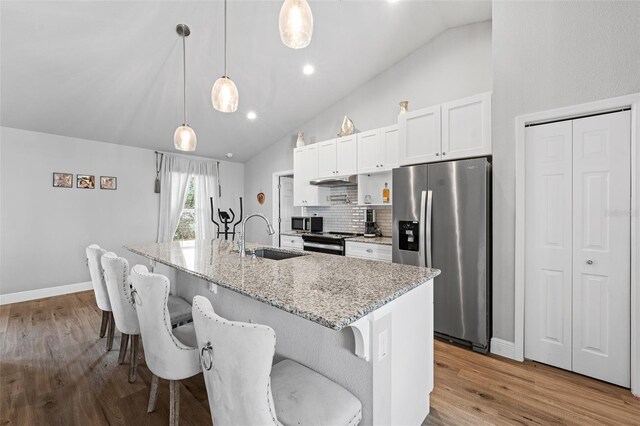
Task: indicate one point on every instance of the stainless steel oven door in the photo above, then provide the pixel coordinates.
(337, 249)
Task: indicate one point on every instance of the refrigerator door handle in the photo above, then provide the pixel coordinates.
(428, 231)
(421, 230)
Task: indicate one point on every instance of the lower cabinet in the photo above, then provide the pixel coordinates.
(370, 251)
(291, 241)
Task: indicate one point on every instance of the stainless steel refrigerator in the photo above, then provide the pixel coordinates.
(442, 219)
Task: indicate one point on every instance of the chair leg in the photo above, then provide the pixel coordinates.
(133, 362)
(103, 325)
(174, 402)
(110, 332)
(124, 341)
(153, 394)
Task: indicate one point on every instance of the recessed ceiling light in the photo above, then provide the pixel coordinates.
(308, 69)
(229, 154)
(251, 115)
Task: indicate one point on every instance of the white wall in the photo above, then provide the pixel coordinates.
(548, 55)
(44, 230)
(454, 65)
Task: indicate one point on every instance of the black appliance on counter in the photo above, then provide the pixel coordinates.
(327, 242)
(307, 223)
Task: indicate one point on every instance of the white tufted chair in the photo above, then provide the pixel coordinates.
(94, 253)
(170, 354)
(116, 276)
(243, 387)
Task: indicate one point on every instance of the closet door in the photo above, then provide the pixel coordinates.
(548, 244)
(602, 247)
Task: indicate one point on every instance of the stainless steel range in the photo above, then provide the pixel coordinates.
(326, 242)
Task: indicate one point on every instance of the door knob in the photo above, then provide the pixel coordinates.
(589, 262)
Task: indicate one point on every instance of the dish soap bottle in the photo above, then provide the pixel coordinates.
(385, 194)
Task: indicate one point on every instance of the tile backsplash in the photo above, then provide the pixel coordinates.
(343, 217)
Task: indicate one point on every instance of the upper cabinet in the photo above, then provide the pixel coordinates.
(378, 150)
(466, 127)
(457, 129)
(305, 169)
(337, 157)
(420, 136)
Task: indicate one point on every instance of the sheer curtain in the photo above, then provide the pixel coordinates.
(175, 175)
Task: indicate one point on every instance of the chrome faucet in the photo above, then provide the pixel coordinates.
(270, 230)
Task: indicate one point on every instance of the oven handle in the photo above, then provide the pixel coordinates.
(323, 246)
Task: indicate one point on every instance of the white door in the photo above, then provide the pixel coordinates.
(548, 247)
(602, 247)
(390, 148)
(466, 127)
(346, 156)
(369, 151)
(420, 136)
(327, 166)
(286, 203)
(578, 246)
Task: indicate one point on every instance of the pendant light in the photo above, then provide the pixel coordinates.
(184, 139)
(224, 94)
(296, 23)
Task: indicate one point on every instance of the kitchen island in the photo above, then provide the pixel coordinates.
(365, 325)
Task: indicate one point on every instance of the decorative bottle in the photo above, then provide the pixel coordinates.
(385, 194)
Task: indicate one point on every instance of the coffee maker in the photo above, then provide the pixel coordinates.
(370, 227)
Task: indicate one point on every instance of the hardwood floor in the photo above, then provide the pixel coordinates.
(54, 370)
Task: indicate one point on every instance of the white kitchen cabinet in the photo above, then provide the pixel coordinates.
(291, 241)
(327, 154)
(337, 157)
(346, 155)
(466, 127)
(370, 251)
(305, 169)
(453, 130)
(420, 140)
(378, 150)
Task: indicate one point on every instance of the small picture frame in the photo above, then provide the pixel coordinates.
(108, 182)
(85, 181)
(62, 180)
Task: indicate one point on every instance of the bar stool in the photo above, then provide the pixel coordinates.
(170, 354)
(116, 276)
(94, 253)
(243, 388)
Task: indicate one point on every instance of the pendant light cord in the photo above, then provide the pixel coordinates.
(225, 39)
(184, 79)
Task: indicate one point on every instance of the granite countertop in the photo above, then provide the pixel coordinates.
(385, 241)
(333, 291)
(294, 233)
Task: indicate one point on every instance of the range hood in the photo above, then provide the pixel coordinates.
(351, 180)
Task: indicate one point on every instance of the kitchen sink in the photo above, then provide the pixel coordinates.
(273, 254)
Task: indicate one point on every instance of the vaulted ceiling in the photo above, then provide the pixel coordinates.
(111, 70)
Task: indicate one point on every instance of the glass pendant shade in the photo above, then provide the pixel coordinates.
(296, 23)
(184, 138)
(224, 95)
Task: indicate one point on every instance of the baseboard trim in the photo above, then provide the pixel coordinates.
(41, 293)
(503, 348)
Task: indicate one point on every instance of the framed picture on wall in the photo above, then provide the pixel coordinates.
(62, 180)
(108, 182)
(85, 181)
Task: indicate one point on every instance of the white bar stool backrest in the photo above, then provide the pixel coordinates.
(116, 277)
(236, 363)
(166, 356)
(94, 253)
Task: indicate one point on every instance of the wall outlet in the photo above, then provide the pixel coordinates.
(383, 345)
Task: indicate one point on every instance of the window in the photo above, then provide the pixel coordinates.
(186, 229)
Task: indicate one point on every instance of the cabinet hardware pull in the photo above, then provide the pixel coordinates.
(437, 155)
(589, 262)
(369, 250)
(444, 153)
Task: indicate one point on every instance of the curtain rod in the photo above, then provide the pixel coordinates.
(191, 157)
